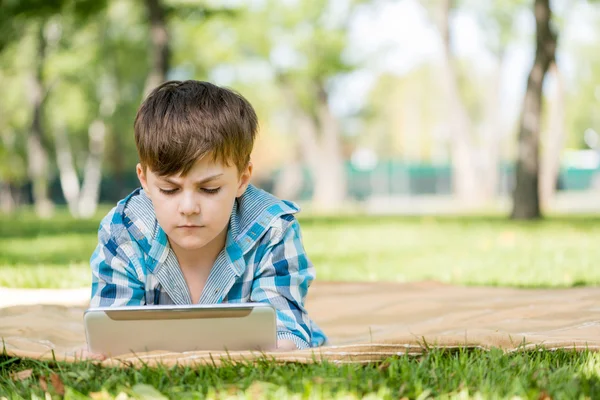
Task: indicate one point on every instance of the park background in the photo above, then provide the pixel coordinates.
(452, 141)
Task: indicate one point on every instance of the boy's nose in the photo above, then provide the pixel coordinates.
(188, 205)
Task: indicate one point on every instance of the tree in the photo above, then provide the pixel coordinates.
(555, 133)
(98, 94)
(34, 15)
(304, 46)
(159, 15)
(497, 20)
(475, 134)
(159, 44)
(11, 170)
(526, 199)
(14, 124)
(464, 169)
(37, 153)
(554, 138)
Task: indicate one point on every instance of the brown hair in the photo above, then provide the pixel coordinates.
(179, 122)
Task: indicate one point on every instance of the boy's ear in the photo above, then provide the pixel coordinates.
(141, 173)
(245, 177)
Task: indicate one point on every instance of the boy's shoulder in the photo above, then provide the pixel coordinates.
(257, 206)
(132, 219)
(254, 213)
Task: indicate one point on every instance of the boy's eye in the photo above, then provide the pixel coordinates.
(205, 190)
(211, 191)
(168, 191)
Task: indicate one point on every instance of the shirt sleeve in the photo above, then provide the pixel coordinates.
(282, 279)
(115, 266)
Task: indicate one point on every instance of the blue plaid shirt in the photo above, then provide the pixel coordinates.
(263, 261)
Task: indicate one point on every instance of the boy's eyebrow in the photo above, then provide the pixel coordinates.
(201, 181)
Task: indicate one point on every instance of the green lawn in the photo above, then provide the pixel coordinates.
(469, 250)
(556, 252)
(474, 374)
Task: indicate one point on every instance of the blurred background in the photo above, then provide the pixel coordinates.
(412, 132)
(378, 106)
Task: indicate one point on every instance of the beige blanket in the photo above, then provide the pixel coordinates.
(364, 321)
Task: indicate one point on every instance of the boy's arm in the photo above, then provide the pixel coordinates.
(115, 279)
(283, 278)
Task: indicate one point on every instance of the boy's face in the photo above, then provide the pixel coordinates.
(194, 210)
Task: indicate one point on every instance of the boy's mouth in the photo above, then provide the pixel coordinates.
(190, 226)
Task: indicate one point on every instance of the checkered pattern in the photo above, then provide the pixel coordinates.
(263, 261)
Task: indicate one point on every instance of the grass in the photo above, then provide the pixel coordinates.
(439, 374)
(557, 252)
(474, 251)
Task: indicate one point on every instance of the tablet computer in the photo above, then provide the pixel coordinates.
(115, 331)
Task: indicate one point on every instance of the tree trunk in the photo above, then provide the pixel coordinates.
(411, 131)
(464, 171)
(290, 180)
(554, 140)
(90, 192)
(320, 146)
(67, 173)
(308, 151)
(330, 179)
(526, 200)
(7, 201)
(82, 202)
(491, 137)
(37, 155)
(159, 51)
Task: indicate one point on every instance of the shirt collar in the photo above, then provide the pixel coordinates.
(252, 215)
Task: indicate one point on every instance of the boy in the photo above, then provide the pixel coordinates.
(197, 231)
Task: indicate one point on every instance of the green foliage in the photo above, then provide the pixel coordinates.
(16, 15)
(583, 93)
(14, 116)
(95, 66)
(438, 374)
(97, 59)
(499, 19)
(391, 100)
(303, 43)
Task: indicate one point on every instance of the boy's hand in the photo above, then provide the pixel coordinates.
(286, 345)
